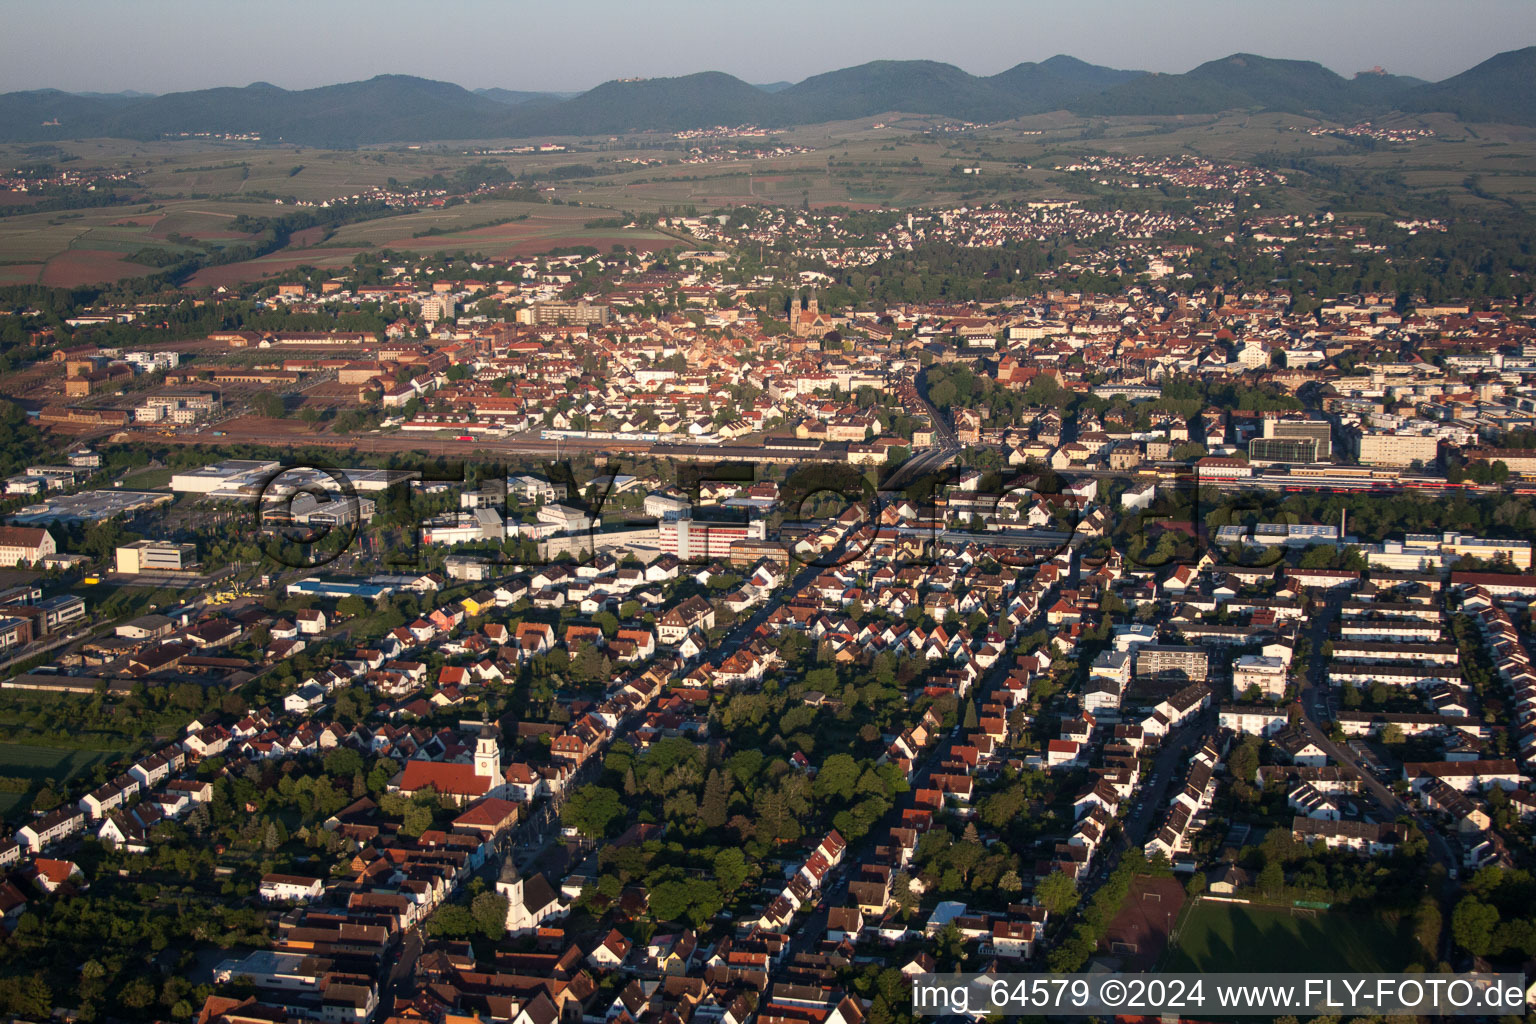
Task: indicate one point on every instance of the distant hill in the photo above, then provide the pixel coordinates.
(126, 94)
(1376, 88)
(912, 86)
(389, 108)
(1058, 82)
(22, 115)
(1499, 89)
(399, 108)
(515, 97)
(663, 104)
(1245, 80)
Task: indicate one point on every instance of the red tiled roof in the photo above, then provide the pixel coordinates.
(451, 779)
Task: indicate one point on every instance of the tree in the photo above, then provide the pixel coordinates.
(489, 910)
(669, 901)
(715, 807)
(837, 776)
(1272, 878)
(591, 809)
(730, 869)
(453, 920)
(1056, 893)
(342, 762)
(416, 819)
(138, 993)
(1196, 884)
(30, 996)
(590, 665)
(704, 901)
(1472, 926)
(268, 404)
(1244, 763)
(776, 819)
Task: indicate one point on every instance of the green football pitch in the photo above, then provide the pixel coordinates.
(1236, 937)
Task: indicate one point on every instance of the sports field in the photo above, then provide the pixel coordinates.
(1237, 937)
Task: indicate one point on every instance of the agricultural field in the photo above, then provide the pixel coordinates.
(194, 191)
(95, 245)
(1235, 937)
(494, 227)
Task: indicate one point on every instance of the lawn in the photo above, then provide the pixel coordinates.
(149, 479)
(34, 763)
(1235, 937)
(24, 760)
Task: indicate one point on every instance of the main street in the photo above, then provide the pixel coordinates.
(929, 460)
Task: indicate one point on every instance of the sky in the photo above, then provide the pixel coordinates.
(571, 45)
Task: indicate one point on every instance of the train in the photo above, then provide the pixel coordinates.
(600, 435)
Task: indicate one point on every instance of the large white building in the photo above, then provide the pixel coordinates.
(695, 540)
(24, 545)
(1425, 551)
(1268, 674)
(1392, 449)
(155, 556)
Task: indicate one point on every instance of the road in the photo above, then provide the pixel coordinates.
(941, 426)
(1324, 612)
(1166, 769)
(932, 459)
(1147, 812)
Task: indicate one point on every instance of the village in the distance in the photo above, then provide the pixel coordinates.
(715, 575)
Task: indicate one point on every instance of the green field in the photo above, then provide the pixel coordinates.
(149, 479)
(194, 189)
(1235, 937)
(25, 761)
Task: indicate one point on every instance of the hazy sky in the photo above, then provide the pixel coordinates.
(164, 46)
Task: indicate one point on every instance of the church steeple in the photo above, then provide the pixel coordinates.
(488, 755)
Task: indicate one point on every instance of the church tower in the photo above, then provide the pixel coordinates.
(510, 885)
(488, 756)
(813, 311)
